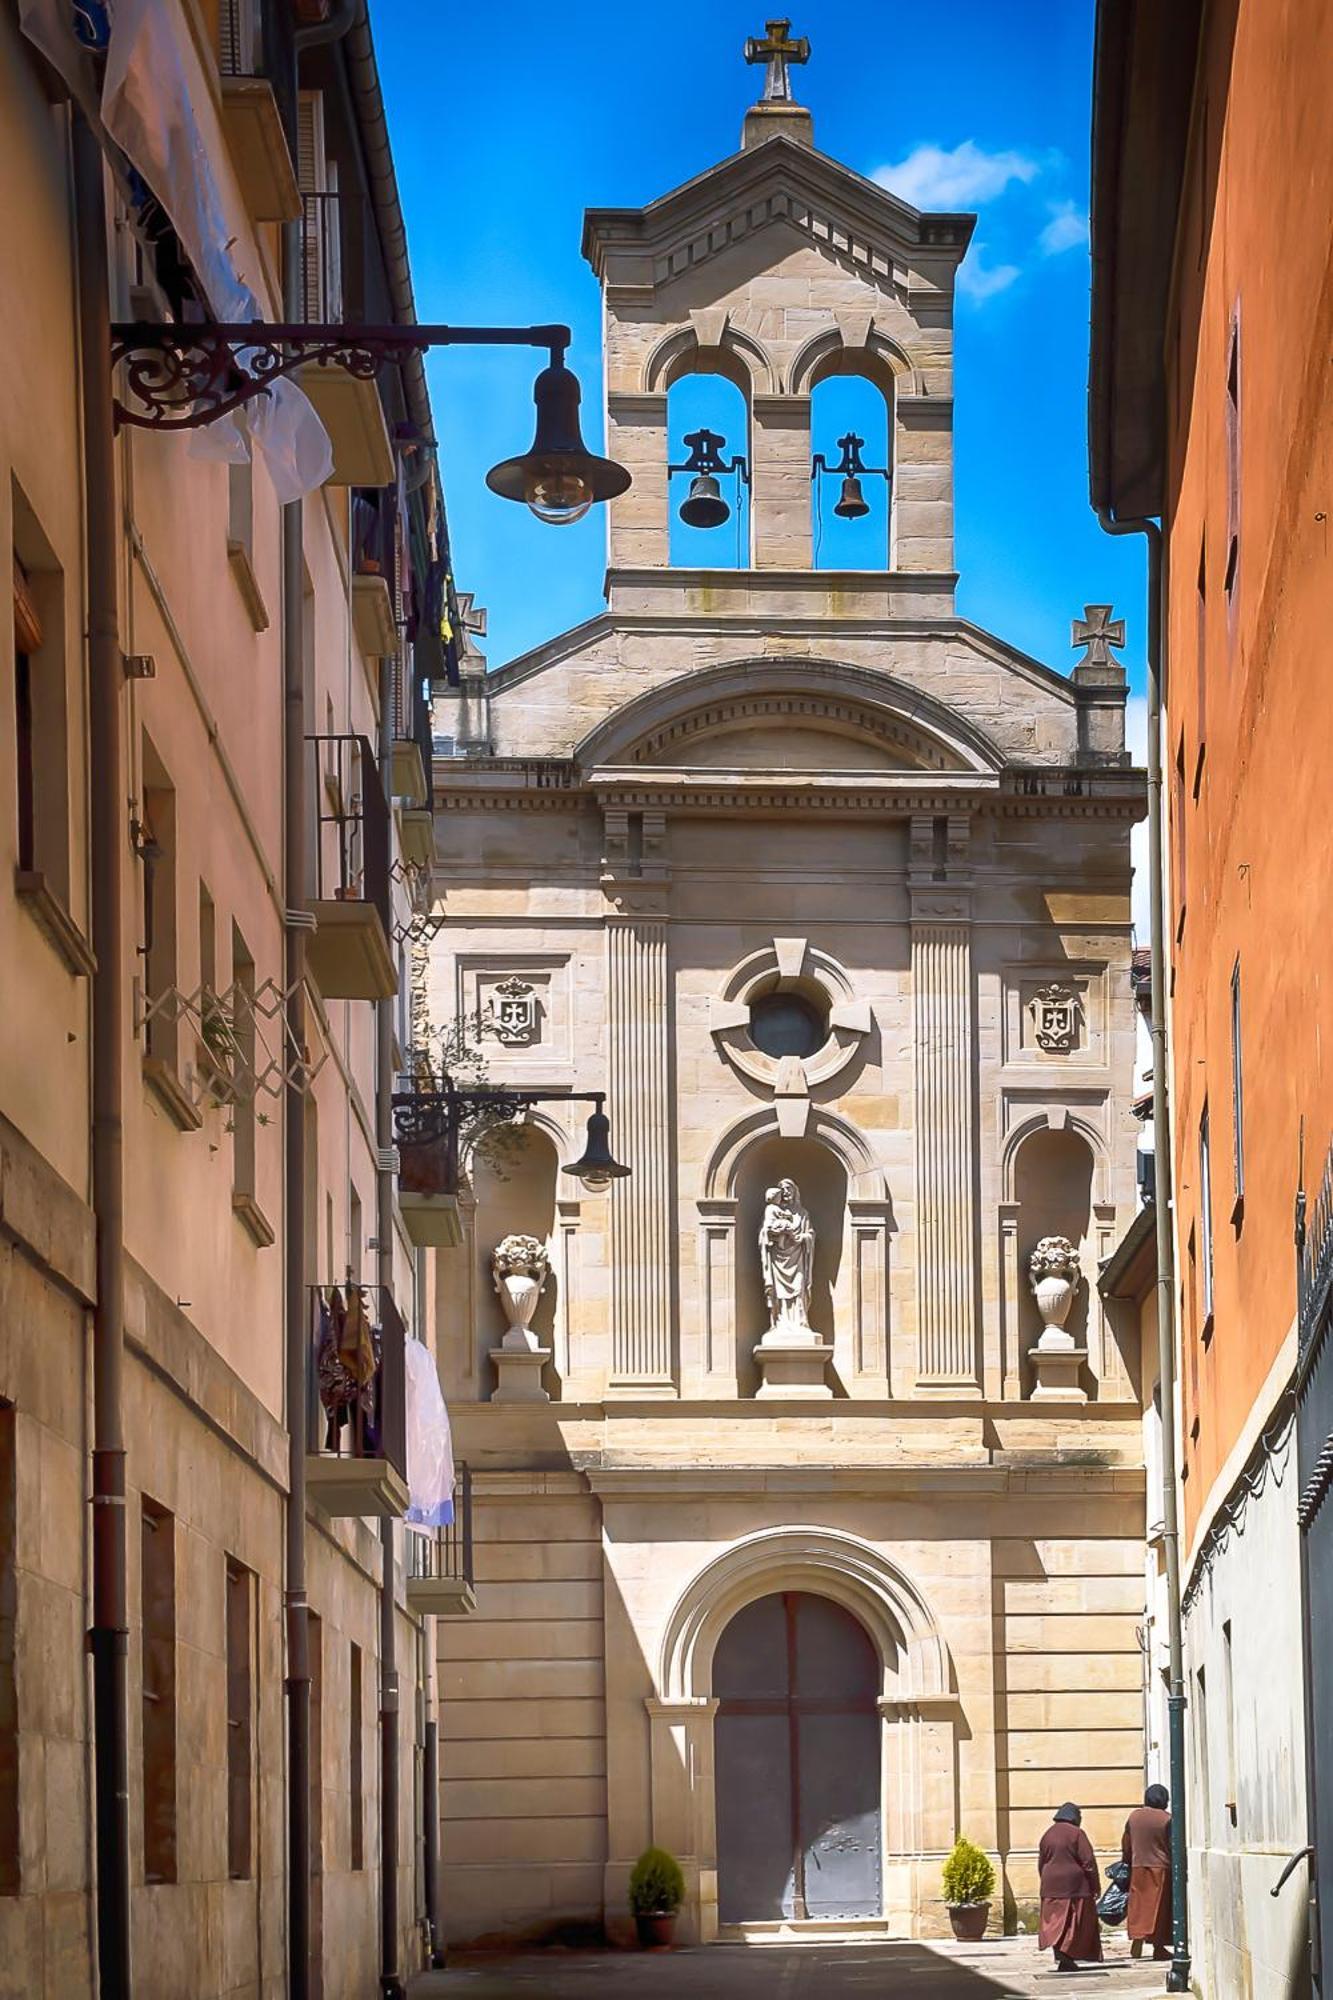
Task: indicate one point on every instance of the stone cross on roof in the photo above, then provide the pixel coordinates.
(775, 51)
(1098, 632)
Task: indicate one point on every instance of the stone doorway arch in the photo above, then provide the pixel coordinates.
(915, 1701)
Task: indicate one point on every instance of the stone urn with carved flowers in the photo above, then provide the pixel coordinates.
(520, 1268)
(1053, 1270)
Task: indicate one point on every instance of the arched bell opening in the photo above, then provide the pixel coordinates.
(708, 447)
(851, 487)
(797, 1757)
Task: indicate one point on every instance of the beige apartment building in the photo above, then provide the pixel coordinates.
(809, 1458)
(212, 849)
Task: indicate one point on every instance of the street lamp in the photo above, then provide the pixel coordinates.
(180, 377)
(424, 1117)
(558, 477)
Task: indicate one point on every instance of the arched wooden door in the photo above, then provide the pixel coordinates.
(797, 1763)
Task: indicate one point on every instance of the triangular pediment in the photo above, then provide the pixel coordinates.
(781, 182)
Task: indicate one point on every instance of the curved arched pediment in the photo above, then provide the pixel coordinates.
(798, 715)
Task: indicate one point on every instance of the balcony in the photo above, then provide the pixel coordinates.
(348, 955)
(427, 1169)
(251, 115)
(375, 572)
(439, 1564)
(349, 406)
(356, 1439)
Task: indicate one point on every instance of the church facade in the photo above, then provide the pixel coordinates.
(807, 1457)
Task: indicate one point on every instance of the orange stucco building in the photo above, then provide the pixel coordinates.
(1211, 407)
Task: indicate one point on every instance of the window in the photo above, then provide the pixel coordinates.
(354, 1227)
(321, 223)
(1200, 667)
(1237, 1101)
(241, 540)
(315, 1642)
(1206, 1223)
(1231, 576)
(158, 1622)
(10, 1879)
(240, 1720)
(40, 720)
(354, 1746)
(156, 843)
(787, 1024)
(27, 641)
(1177, 832)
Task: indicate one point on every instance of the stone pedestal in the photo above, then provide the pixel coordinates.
(518, 1374)
(1055, 1367)
(793, 1367)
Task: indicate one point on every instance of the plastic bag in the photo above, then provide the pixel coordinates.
(1115, 1896)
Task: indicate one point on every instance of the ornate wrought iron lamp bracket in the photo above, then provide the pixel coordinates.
(179, 378)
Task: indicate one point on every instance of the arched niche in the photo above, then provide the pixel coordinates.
(514, 1175)
(709, 389)
(851, 394)
(822, 1179)
(1054, 1174)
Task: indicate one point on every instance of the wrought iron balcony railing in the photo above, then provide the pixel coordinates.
(439, 1565)
(357, 1407)
(351, 859)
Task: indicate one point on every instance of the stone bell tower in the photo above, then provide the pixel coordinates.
(777, 268)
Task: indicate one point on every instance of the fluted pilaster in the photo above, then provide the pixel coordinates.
(641, 1262)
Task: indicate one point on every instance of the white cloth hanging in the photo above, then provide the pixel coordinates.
(430, 1445)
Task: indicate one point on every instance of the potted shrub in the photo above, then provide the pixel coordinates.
(969, 1884)
(656, 1892)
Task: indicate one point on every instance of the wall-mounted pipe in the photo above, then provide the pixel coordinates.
(1178, 1979)
(106, 837)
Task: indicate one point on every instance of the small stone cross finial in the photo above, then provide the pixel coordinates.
(775, 51)
(1098, 632)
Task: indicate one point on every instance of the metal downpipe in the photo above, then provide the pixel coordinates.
(110, 1624)
(295, 1296)
(391, 1982)
(1178, 1979)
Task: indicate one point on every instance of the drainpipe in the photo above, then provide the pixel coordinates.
(296, 1297)
(109, 1636)
(391, 1984)
(1178, 1979)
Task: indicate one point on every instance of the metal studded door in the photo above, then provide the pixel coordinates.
(797, 1763)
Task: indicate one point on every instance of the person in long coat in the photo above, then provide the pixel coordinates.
(1070, 1883)
(1147, 1848)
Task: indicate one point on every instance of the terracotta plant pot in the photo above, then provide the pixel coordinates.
(656, 1931)
(969, 1921)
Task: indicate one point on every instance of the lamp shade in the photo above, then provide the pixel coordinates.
(598, 1166)
(558, 478)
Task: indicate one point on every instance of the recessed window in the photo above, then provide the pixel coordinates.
(787, 1024)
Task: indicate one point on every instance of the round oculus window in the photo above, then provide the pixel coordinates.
(786, 1024)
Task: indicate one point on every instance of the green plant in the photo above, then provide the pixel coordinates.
(656, 1885)
(968, 1875)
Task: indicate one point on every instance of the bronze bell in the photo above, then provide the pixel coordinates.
(703, 506)
(852, 503)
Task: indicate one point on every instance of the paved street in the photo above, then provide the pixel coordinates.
(999, 1969)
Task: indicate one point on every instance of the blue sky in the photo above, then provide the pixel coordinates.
(509, 119)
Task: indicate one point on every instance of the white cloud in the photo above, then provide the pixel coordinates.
(936, 177)
(978, 280)
(1066, 230)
